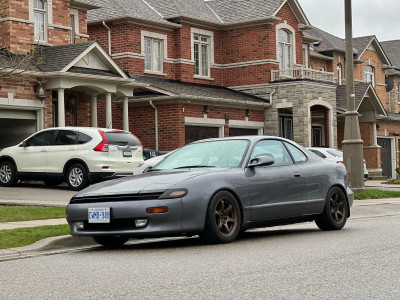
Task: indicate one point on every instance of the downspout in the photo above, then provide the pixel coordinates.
(155, 121)
(270, 97)
(109, 37)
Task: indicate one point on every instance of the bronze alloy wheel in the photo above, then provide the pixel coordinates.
(226, 217)
(337, 208)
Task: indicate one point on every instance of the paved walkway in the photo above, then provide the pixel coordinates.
(35, 223)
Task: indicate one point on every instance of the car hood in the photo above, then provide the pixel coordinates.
(152, 182)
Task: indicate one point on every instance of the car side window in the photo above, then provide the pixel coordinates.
(83, 138)
(41, 139)
(297, 154)
(320, 154)
(274, 149)
(65, 137)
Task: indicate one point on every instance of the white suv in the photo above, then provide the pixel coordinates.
(77, 155)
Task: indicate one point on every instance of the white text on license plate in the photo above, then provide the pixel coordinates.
(99, 215)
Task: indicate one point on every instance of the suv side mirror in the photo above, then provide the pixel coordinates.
(262, 160)
(24, 144)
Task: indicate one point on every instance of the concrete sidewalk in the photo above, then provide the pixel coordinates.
(381, 184)
(34, 223)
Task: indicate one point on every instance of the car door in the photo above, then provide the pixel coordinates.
(278, 190)
(32, 156)
(62, 150)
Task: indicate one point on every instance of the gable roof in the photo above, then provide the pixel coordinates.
(221, 13)
(196, 91)
(328, 42)
(392, 50)
(362, 43)
(362, 90)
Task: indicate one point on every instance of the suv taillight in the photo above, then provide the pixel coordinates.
(103, 146)
(141, 145)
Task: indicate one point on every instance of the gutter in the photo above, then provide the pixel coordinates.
(109, 37)
(155, 121)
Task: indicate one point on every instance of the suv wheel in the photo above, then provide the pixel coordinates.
(77, 178)
(8, 176)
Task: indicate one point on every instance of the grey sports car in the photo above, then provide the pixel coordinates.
(216, 188)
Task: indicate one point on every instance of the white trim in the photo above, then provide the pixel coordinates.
(153, 35)
(203, 77)
(207, 122)
(208, 33)
(11, 102)
(245, 64)
(16, 20)
(393, 152)
(287, 27)
(279, 8)
(306, 62)
(75, 12)
(247, 125)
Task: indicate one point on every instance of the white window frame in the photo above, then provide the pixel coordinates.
(43, 12)
(398, 93)
(48, 17)
(369, 77)
(339, 73)
(305, 55)
(163, 55)
(74, 27)
(292, 32)
(210, 50)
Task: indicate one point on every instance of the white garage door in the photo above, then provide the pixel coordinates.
(16, 125)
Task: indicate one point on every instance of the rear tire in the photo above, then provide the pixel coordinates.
(223, 219)
(8, 174)
(110, 241)
(77, 177)
(336, 210)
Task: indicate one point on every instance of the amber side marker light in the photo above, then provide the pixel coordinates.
(157, 210)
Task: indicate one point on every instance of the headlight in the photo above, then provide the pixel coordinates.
(174, 193)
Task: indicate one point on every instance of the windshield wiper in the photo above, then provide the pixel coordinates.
(194, 166)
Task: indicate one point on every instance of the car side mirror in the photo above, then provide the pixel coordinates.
(24, 144)
(261, 160)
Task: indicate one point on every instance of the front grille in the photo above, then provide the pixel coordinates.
(116, 224)
(115, 198)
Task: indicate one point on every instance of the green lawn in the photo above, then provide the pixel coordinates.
(25, 236)
(27, 213)
(376, 194)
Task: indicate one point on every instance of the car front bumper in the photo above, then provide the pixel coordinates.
(122, 218)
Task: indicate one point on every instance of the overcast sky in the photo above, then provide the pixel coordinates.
(370, 17)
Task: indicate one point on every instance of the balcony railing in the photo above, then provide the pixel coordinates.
(301, 73)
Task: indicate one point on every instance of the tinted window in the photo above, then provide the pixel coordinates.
(274, 149)
(41, 139)
(121, 139)
(65, 137)
(320, 154)
(83, 138)
(297, 154)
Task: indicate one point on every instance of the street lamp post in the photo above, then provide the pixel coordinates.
(352, 143)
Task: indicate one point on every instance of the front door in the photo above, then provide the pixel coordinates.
(278, 190)
(386, 156)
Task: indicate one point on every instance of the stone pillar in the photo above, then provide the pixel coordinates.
(108, 111)
(94, 111)
(374, 135)
(125, 114)
(61, 108)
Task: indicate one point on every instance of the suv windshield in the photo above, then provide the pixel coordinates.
(228, 153)
(121, 139)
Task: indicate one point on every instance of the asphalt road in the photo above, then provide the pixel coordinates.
(362, 261)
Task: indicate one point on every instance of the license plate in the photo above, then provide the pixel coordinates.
(99, 215)
(127, 153)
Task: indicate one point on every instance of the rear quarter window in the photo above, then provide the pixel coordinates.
(121, 139)
(83, 138)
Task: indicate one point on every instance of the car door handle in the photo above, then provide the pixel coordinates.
(297, 174)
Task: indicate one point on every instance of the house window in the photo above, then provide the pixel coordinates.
(305, 55)
(39, 9)
(339, 74)
(73, 29)
(201, 49)
(398, 93)
(369, 75)
(284, 49)
(153, 54)
(286, 127)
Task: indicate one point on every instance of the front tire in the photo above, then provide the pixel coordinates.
(110, 241)
(336, 210)
(8, 174)
(223, 219)
(77, 177)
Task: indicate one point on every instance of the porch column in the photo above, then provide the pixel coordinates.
(94, 111)
(61, 108)
(125, 115)
(374, 135)
(108, 111)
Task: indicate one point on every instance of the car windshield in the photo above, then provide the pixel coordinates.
(222, 153)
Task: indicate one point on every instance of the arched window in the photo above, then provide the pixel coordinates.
(369, 75)
(284, 49)
(39, 9)
(339, 74)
